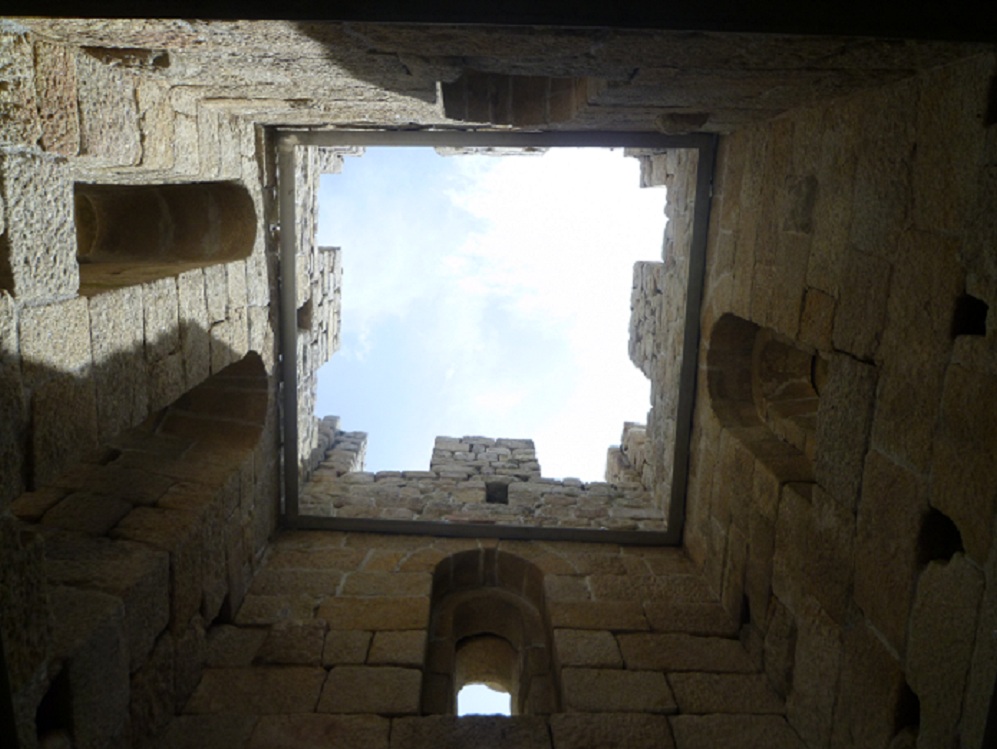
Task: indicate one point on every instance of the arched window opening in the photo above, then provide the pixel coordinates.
(483, 699)
(486, 661)
(488, 626)
(130, 234)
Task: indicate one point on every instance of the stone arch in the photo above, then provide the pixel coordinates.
(127, 234)
(767, 390)
(488, 624)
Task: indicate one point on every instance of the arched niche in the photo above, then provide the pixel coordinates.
(489, 625)
(766, 389)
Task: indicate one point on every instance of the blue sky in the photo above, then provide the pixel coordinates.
(488, 296)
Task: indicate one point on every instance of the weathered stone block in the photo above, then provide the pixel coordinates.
(810, 703)
(406, 648)
(614, 691)
(86, 512)
(13, 410)
(983, 671)
(482, 732)
(612, 615)
(386, 690)
(37, 256)
(294, 643)
(779, 647)
(690, 618)
(19, 123)
(817, 319)
(828, 557)
(190, 652)
(152, 703)
(317, 731)
(640, 588)
(278, 581)
(789, 579)
(160, 304)
(194, 323)
(261, 690)
(964, 464)
(55, 339)
(64, 425)
(940, 645)
(949, 147)
(630, 730)
(346, 612)
(393, 584)
(88, 634)
(25, 621)
(861, 312)
(179, 533)
(709, 731)
(55, 83)
(345, 647)
(725, 693)
(166, 381)
(680, 652)
(843, 420)
(136, 574)
(119, 371)
(216, 292)
(109, 123)
(576, 647)
(233, 646)
(889, 520)
(865, 711)
(207, 731)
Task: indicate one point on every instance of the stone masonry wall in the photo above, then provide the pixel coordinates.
(477, 480)
(879, 221)
(330, 643)
(657, 313)
(861, 230)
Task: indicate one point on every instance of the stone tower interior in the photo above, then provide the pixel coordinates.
(798, 549)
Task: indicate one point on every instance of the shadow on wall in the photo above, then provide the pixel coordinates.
(129, 546)
(508, 76)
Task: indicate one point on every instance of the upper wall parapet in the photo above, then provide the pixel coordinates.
(475, 480)
(483, 456)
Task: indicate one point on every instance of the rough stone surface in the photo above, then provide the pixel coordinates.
(724, 693)
(37, 256)
(613, 690)
(941, 642)
(385, 690)
(679, 652)
(889, 520)
(585, 648)
(261, 690)
(748, 731)
(448, 732)
(310, 731)
(574, 731)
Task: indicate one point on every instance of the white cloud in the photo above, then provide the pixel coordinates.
(528, 313)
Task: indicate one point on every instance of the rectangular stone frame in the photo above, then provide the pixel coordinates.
(287, 140)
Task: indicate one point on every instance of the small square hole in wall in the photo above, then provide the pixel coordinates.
(970, 316)
(496, 493)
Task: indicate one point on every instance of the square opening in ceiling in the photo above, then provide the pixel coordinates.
(446, 460)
